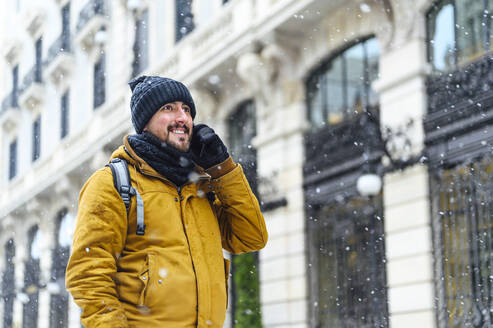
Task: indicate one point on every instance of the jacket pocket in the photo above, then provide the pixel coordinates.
(144, 277)
(227, 263)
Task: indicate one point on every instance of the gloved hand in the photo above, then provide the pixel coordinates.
(206, 147)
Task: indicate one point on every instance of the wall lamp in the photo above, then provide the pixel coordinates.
(396, 146)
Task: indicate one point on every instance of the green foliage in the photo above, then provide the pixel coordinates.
(246, 284)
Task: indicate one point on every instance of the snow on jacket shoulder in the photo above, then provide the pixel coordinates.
(174, 275)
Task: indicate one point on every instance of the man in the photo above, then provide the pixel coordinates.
(196, 202)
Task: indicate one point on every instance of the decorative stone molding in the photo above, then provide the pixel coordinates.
(12, 51)
(7, 223)
(35, 207)
(260, 70)
(92, 19)
(136, 7)
(9, 119)
(408, 22)
(207, 103)
(31, 93)
(32, 98)
(34, 19)
(62, 3)
(60, 68)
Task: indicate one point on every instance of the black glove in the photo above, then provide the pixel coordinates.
(206, 147)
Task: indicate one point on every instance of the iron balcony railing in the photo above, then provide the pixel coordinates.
(62, 44)
(34, 75)
(9, 101)
(91, 9)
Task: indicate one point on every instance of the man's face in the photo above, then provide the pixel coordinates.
(172, 124)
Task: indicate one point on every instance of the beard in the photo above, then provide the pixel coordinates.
(179, 141)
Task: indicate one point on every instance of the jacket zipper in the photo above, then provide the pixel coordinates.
(178, 188)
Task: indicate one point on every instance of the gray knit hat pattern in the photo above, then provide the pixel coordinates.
(150, 93)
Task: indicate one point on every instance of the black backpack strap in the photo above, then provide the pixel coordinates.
(123, 184)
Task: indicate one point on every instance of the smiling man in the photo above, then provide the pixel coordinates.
(155, 259)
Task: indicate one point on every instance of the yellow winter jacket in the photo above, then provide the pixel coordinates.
(174, 275)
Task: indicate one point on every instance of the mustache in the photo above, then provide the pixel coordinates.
(175, 126)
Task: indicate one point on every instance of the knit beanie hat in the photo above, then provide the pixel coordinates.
(150, 93)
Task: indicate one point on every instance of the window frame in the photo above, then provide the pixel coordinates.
(430, 18)
(341, 219)
(36, 145)
(65, 114)
(318, 74)
(183, 12)
(8, 284)
(13, 158)
(59, 303)
(460, 204)
(32, 273)
(99, 82)
(141, 43)
(38, 76)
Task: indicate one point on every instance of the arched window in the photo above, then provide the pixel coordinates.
(458, 31)
(31, 279)
(341, 87)
(61, 252)
(8, 284)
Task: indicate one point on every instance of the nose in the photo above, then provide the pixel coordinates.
(181, 115)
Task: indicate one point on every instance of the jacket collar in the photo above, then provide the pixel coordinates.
(126, 152)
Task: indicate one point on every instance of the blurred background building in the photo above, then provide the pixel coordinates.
(364, 126)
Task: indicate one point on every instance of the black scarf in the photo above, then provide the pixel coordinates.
(168, 161)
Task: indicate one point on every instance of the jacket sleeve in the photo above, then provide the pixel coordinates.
(99, 237)
(240, 220)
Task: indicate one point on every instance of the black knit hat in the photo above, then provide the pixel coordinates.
(150, 93)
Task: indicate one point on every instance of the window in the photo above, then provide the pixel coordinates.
(140, 44)
(66, 27)
(458, 31)
(15, 86)
(36, 138)
(184, 18)
(31, 279)
(245, 299)
(463, 230)
(13, 159)
(64, 115)
(59, 301)
(39, 61)
(8, 285)
(341, 87)
(347, 267)
(99, 82)
(242, 129)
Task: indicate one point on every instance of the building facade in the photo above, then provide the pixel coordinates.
(311, 96)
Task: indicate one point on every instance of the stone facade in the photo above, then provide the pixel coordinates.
(241, 50)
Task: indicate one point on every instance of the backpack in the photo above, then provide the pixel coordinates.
(123, 184)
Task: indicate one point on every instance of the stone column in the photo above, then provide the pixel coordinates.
(280, 125)
(403, 71)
